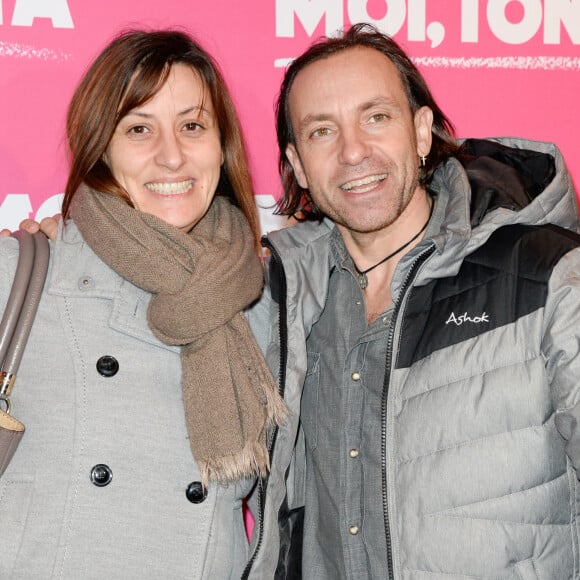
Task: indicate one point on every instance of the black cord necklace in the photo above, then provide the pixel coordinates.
(362, 274)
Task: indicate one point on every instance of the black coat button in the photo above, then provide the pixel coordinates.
(107, 366)
(195, 492)
(101, 475)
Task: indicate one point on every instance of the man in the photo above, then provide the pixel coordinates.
(425, 323)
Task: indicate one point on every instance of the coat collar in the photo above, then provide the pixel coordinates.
(76, 272)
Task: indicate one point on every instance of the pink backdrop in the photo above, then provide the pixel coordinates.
(497, 67)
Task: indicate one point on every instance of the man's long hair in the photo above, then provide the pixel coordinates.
(297, 201)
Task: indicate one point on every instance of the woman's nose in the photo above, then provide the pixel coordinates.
(170, 151)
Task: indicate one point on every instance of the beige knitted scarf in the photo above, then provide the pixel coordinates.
(200, 284)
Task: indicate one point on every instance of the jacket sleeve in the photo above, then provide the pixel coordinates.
(260, 316)
(561, 347)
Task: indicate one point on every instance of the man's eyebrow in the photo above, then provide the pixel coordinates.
(379, 101)
(365, 106)
(310, 119)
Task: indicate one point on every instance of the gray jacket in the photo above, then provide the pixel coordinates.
(481, 408)
(126, 412)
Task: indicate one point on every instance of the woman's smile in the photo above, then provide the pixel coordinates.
(170, 187)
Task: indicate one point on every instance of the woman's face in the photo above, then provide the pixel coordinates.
(167, 153)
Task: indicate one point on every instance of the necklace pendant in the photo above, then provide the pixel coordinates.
(363, 280)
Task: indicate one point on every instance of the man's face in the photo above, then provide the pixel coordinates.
(357, 143)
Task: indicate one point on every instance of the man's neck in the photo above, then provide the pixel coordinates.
(368, 249)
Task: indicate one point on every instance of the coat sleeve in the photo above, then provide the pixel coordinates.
(9, 250)
(561, 347)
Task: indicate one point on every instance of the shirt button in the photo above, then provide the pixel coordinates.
(385, 320)
(101, 475)
(86, 283)
(195, 492)
(353, 530)
(107, 366)
(355, 376)
(353, 453)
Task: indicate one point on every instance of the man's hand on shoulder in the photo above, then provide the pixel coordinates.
(48, 226)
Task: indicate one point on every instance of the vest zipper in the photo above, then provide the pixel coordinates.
(283, 336)
(386, 382)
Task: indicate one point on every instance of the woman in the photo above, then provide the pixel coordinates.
(145, 398)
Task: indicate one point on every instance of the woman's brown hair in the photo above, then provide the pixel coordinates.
(126, 74)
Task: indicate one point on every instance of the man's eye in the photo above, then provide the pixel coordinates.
(378, 117)
(321, 132)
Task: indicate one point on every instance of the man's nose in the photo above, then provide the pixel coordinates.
(354, 146)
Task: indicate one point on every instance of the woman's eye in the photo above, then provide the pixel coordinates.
(138, 130)
(192, 126)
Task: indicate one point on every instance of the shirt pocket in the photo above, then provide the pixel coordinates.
(310, 404)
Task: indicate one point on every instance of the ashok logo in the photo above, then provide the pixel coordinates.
(459, 320)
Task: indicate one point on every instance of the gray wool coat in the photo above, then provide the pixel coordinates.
(81, 411)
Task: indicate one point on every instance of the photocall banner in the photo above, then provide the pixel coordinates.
(497, 68)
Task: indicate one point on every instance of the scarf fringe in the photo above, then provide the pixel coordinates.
(253, 460)
(276, 409)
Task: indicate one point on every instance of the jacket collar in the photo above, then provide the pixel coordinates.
(467, 216)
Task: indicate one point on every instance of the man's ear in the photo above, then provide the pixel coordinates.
(296, 164)
(423, 125)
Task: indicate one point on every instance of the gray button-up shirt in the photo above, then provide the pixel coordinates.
(344, 530)
(344, 534)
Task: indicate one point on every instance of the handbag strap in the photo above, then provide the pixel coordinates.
(21, 306)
